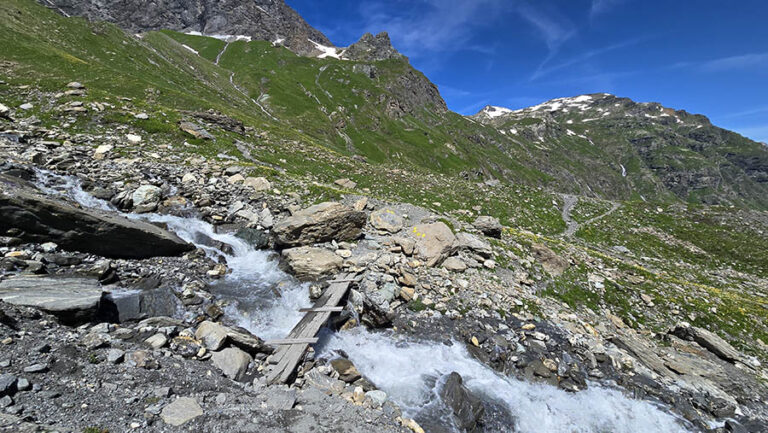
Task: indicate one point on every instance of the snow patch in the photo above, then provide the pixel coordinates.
(190, 49)
(326, 51)
(225, 38)
(494, 112)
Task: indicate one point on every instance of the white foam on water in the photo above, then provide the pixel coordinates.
(266, 301)
(406, 369)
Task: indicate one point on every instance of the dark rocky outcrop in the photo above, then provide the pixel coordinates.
(372, 48)
(266, 20)
(467, 409)
(43, 219)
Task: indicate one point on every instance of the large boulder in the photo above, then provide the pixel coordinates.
(387, 220)
(434, 242)
(319, 223)
(43, 219)
(467, 409)
(309, 263)
(72, 300)
(181, 411)
(146, 195)
(489, 226)
(232, 362)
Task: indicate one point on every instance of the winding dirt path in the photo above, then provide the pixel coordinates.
(572, 226)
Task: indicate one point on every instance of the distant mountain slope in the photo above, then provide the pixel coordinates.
(267, 20)
(619, 148)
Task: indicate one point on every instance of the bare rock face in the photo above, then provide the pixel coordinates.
(709, 341)
(467, 409)
(266, 20)
(42, 219)
(372, 48)
(308, 263)
(320, 223)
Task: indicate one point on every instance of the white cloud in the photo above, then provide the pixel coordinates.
(736, 62)
(587, 56)
(552, 27)
(422, 26)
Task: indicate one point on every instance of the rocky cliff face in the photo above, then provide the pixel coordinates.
(268, 20)
(372, 48)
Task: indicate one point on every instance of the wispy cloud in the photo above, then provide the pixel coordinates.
(745, 61)
(587, 56)
(551, 26)
(600, 7)
(746, 113)
(420, 27)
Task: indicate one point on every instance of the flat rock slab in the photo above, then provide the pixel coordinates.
(181, 411)
(72, 300)
(44, 219)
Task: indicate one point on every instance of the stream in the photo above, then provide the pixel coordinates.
(266, 301)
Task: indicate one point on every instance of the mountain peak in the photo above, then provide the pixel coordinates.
(372, 48)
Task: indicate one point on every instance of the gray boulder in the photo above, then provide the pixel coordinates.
(434, 242)
(309, 263)
(42, 219)
(319, 223)
(709, 341)
(181, 411)
(232, 362)
(472, 243)
(489, 226)
(146, 195)
(72, 300)
(387, 219)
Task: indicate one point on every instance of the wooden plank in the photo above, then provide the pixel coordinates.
(291, 341)
(288, 356)
(322, 310)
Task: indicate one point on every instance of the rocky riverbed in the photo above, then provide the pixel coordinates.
(137, 295)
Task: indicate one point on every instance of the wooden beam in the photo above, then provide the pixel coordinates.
(321, 310)
(286, 341)
(287, 357)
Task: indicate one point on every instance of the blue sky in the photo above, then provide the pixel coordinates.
(703, 56)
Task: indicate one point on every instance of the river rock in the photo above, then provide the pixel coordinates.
(310, 263)
(387, 219)
(467, 409)
(319, 223)
(489, 226)
(72, 300)
(146, 195)
(346, 369)
(232, 362)
(181, 411)
(212, 335)
(434, 242)
(42, 219)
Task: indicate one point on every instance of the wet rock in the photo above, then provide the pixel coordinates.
(434, 242)
(71, 300)
(387, 220)
(258, 239)
(42, 219)
(467, 409)
(232, 362)
(181, 411)
(346, 369)
(489, 226)
(377, 398)
(309, 263)
(320, 223)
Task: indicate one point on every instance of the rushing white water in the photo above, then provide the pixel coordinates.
(266, 301)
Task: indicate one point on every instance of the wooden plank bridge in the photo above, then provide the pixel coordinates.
(291, 349)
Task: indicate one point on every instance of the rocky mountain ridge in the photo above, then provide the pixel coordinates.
(267, 20)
